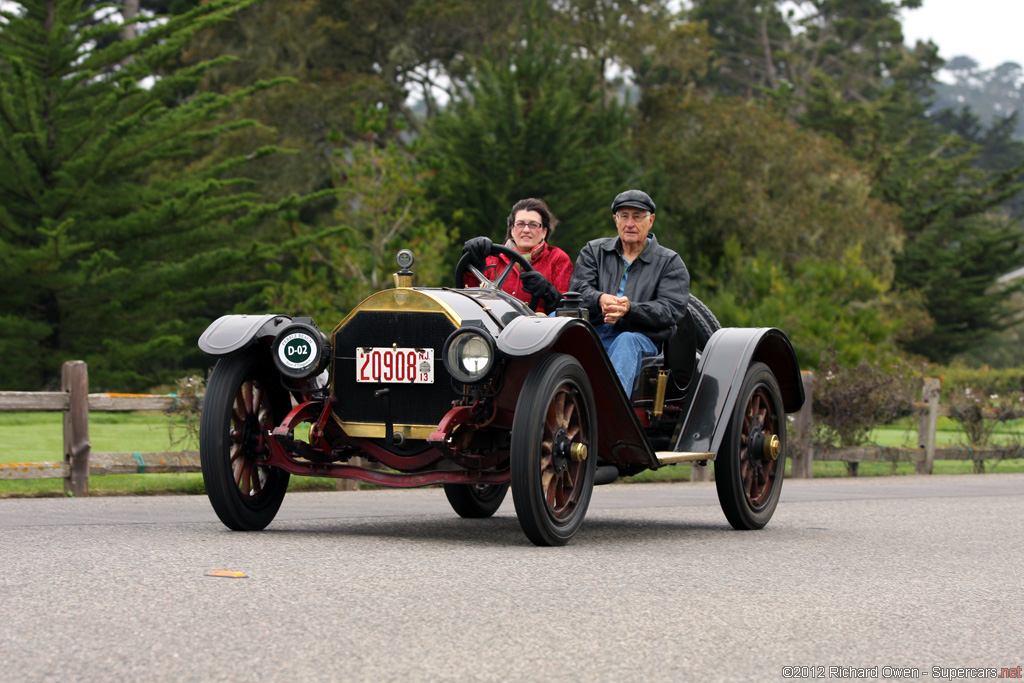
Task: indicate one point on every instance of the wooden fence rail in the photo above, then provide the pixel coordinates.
(79, 463)
(805, 451)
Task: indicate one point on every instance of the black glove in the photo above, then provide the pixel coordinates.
(478, 248)
(537, 284)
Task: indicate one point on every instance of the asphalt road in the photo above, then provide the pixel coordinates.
(851, 578)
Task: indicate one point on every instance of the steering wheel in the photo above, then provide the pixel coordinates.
(497, 282)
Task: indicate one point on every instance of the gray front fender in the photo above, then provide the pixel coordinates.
(527, 335)
(620, 436)
(229, 333)
(720, 374)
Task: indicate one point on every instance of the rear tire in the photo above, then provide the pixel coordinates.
(474, 501)
(747, 476)
(703, 320)
(244, 402)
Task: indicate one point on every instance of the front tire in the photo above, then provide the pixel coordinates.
(554, 450)
(474, 501)
(750, 467)
(244, 401)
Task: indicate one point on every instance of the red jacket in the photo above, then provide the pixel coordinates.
(551, 262)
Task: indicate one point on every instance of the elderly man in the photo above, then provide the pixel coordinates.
(634, 288)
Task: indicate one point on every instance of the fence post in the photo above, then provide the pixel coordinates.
(74, 379)
(351, 484)
(700, 472)
(803, 458)
(927, 425)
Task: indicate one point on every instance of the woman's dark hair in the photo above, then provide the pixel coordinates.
(547, 219)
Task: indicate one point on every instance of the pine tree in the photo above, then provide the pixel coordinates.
(119, 237)
(849, 76)
(990, 94)
(381, 208)
(751, 43)
(533, 124)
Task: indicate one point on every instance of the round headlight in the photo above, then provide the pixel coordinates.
(469, 356)
(299, 351)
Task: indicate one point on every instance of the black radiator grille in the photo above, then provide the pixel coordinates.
(423, 404)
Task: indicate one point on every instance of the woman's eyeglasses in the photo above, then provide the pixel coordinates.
(532, 225)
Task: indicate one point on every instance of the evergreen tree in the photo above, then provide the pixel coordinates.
(382, 207)
(751, 44)
(621, 37)
(728, 169)
(835, 303)
(534, 124)
(763, 45)
(119, 238)
(998, 149)
(847, 74)
(345, 59)
(958, 241)
(990, 94)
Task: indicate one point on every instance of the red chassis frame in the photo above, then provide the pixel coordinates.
(282, 449)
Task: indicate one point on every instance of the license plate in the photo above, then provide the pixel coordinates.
(393, 365)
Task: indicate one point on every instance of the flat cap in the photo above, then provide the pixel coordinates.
(637, 198)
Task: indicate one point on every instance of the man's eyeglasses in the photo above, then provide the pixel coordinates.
(532, 225)
(637, 217)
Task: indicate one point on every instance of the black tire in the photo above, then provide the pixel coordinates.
(244, 401)
(748, 478)
(554, 416)
(704, 321)
(474, 501)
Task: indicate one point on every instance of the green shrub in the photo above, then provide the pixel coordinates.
(955, 378)
(840, 306)
(850, 401)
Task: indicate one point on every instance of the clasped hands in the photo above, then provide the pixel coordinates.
(613, 307)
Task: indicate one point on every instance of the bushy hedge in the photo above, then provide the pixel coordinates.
(852, 400)
(955, 378)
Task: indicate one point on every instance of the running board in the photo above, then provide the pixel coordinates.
(672, 457)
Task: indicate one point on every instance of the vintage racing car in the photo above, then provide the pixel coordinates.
(470, 389)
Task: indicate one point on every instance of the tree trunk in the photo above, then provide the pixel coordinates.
(129, 13)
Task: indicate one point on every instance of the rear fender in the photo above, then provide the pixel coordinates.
(621, 439)
(230, 333)
(720, 373)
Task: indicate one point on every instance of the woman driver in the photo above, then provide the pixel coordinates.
(530, 226)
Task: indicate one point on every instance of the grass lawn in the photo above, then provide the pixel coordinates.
(38, 437)
(838, 469)
(903, 433)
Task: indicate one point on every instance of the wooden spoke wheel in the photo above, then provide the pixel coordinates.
(244, 401)
(554, 450)
(750, 466)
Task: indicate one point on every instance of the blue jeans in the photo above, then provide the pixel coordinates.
(626, 351)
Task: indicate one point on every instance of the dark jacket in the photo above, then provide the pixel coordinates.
(658, 287)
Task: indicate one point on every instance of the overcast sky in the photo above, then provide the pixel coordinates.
(990, 31)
